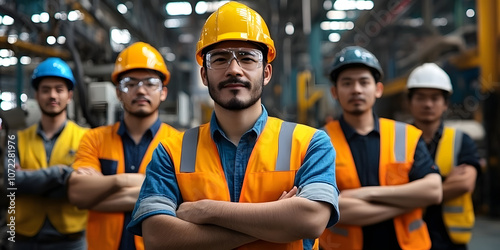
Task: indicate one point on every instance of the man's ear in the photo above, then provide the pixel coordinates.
(333, 91)
(268, 73)
(204, 77)
(379, 89)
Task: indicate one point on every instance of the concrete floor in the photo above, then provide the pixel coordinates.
(486, 234)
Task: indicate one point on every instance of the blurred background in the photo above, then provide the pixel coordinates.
(461, 36)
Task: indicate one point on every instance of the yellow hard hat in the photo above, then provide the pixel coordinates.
(140, 55)
(235, 21)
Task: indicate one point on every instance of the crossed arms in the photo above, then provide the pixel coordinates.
(210, 224)
(373, 204)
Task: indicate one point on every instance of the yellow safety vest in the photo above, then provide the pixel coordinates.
(398, 142)
(104, 229)
(277, 155)
(31, 210)
(458, 213)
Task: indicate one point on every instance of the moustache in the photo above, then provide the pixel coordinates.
(140, 99)
(233, 80)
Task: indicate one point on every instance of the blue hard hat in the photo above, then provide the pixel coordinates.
(53, 67)
(355, 56)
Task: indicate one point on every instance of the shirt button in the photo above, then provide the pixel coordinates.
(132, 167)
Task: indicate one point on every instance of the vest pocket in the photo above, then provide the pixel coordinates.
(108, 167)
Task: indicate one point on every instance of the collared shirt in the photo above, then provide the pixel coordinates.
(160, 193)
(433, 215)
(365, 151)
(48, 143)
(133, 157)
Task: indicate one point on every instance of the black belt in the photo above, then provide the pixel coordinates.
(52, 238)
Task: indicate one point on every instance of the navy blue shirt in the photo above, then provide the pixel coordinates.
(433, 215)
(365, 151)
(133, 158)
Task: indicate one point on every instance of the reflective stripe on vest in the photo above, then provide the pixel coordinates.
(400, 142)
(190, 145)
(458, 213)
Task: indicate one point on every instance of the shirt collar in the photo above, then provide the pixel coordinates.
(257, 127)
(40, 132)
(349, 130)
(122, 130)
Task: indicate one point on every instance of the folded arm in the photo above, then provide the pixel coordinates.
(189, 235)
(48, 182)
(461, 180)
(418, 193)
(122, 200)
(279, 221)
(87, 189)
(358, 212)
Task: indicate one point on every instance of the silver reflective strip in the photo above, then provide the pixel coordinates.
(285, 146)
(188, 153)
(453, 209)
(339, 231)
(460, 229)
(414, 225)
(400, 142)
(457, 146)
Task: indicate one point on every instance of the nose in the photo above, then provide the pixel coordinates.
(234, 67)
(357, 87)
(140, 87)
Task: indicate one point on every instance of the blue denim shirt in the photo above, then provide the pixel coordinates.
(315, 179)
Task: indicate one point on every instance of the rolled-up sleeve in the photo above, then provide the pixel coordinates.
(159, 194)
(316, 177)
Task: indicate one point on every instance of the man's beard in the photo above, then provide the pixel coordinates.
(234, 103)
(53, 114)
(140, 113)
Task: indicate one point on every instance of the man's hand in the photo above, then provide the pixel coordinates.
(288, 194)
(88, 171)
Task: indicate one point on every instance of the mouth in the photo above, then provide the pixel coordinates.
(356, 100)
(141, 101)
(234, 85)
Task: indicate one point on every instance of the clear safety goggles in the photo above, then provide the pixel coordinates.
(128, 84)
(246, 58)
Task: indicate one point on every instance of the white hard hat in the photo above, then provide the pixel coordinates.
(429, 75)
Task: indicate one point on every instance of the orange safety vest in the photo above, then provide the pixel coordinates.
(398, 142)
(278, 154)
(32, 210)
(104, 229)
(458, 213)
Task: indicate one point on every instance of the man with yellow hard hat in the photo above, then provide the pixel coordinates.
(244, 180)
(111, 160)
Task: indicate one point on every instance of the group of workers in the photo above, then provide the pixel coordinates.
(244, 180)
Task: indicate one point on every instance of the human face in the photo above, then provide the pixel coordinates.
(427, 105)
(141, 101)
(356, 90)
(236, 88)
(53, 96)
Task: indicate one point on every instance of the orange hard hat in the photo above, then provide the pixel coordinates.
(140, 55)
(235, 21)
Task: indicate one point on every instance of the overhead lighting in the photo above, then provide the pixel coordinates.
(35, 18)
(51, 40)
(172, 23)
(75, 15)
(203, 7)
(337, 25)
(178, 8)
(25, 60)
(336, 14)
(61, 40)
(7, 20)
(6, 52)
(44, 17)
(470, 13)
(120, 36)
(353, 5)
(12, 39)
(334, 37)
(289, 29)
(24, 97)
(122, 8)
(327, 4)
